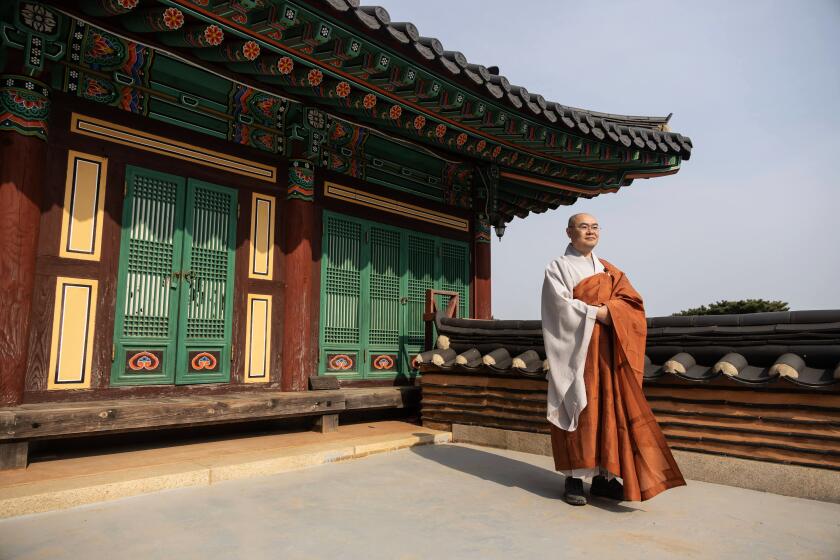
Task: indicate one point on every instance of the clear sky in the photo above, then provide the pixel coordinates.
(755, 212)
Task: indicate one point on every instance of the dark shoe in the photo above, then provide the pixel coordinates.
(574, 492)
(607, 489)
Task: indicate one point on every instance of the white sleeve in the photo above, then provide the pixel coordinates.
(554, 287)
(567, 326)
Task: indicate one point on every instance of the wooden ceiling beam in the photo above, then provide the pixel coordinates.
(200, 35)
(231, 51)
(105, 8)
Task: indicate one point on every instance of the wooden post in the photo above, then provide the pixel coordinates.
(481, 266)
(326, 423)
(431, 310)
(15, 455)
(299, 352)
(23, 130)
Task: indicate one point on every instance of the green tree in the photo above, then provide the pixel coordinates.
(725, 307)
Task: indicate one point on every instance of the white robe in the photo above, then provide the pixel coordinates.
(567, 326)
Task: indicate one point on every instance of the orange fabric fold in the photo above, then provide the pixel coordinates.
(617, 430)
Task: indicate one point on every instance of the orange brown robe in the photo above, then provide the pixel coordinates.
(617, 430)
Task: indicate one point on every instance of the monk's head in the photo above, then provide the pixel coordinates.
(584, 232)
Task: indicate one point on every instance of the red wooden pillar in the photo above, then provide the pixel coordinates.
(481, 268)
(23, 134)
(299, 347)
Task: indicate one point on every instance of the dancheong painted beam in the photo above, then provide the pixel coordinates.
(230, 69)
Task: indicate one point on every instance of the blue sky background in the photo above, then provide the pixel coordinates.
(755, 212)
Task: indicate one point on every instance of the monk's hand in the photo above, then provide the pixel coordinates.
(603, 315)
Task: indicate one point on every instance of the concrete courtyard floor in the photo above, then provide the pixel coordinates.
(435, 501)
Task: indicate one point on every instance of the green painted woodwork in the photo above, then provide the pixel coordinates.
(173, 76)
(193, 120)
(433, 90)
(394, 176)
(454, 273)
(175, 280)
(342, 282)
(373, 288)
(24, 105)
(148, 291)
(454, 117)
(403, 168)
(384, 286)
(198, 93)
(206, 307)
(323, 34)
(107, 69)
(421, 275)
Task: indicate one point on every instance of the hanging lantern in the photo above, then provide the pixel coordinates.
(500, 228)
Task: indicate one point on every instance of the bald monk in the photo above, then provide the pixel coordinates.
(594, 328)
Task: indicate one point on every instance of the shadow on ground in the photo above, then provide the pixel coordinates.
(507, 472)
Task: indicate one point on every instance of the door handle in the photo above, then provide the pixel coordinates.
(403, 300)
(194, 281)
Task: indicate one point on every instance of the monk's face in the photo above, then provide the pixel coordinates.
(585, 233)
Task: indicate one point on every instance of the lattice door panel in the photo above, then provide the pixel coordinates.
(207, 284)
(384, 287)
(341, 311)
(148, 290)
(374, 280)
(421, 274)
(385, 273)
(455, 273)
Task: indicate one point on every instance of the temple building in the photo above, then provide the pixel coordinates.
(217, 199)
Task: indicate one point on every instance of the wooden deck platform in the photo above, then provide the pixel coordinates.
(30, 422)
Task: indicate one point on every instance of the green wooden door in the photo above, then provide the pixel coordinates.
(148, 290)
(454, 273)
(206, 305)
(383, 308)
(341, 295)
(174, 303)
(422, 269)
(374, 282)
